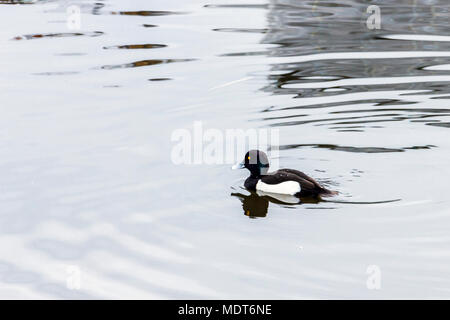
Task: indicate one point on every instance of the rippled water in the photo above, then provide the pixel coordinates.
(87, 180)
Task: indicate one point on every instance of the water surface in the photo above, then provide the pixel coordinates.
(87, 178)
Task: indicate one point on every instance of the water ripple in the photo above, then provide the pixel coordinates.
(145, 13)
(137, 46)
(143, 63)
(355, 149)
(58, 35)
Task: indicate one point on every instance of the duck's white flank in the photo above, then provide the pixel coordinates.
(286, 187)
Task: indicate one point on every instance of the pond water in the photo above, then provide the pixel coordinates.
(94, 207)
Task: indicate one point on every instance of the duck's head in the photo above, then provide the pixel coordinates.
(255, 161)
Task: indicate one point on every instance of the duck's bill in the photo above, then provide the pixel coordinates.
(238, 166)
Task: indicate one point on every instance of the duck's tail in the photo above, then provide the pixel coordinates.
(328, 193)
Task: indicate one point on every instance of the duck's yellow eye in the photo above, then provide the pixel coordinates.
(248, 158)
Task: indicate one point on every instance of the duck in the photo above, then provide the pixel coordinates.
(283, 181)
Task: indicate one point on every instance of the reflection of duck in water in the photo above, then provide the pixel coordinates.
(253, 205)
(281, 182)
(256, 204)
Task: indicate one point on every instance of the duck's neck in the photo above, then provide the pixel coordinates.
(259, 172)
(250, 183)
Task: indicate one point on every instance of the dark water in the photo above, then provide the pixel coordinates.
(87, 179)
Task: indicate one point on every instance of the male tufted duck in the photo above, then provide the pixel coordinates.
(283, 181)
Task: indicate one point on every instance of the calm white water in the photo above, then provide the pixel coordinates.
(87, 180)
